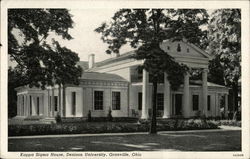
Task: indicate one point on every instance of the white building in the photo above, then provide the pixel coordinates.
(118, 85)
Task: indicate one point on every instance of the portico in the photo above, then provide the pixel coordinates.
(30, 104)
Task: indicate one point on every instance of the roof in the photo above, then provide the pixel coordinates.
(102, 76)
(124, 56)
(84, 64)
(209, 84)
(129, 54)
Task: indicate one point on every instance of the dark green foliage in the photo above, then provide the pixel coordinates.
(58, 118)
(224, 38)
(107, 127)
(110, 118)
(89, 116)
(42, 63)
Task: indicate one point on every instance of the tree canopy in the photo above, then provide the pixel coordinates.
(42, 62)
(148, 28)
(225, 42)
(224, 38)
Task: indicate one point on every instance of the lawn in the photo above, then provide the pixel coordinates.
(216, 140)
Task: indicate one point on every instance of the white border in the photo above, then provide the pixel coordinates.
(77, 4)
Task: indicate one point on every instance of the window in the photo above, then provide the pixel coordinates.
(98, 100)
(73, 110)
(179, 48)
(116, 100)
(195, 102)
(168, 47)
(139, 73)
(139, 101)
(37, 111)
(160, 101)
(187, 49)
(56, 102)
(208, 102)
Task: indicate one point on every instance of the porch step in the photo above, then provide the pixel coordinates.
(48, 120)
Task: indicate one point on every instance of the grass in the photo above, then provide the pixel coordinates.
(217, 140)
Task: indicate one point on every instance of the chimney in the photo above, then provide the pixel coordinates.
(91, 60)
(117, 54)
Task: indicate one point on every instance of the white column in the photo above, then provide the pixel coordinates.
(145, 92)
(33, 105)
(28, 105)
(25, 105)
(18, 105)
(226, 105)
(204, 91)
(186, 107)
(52, 102)
(21, 108)
(167, 97)
(49, 104)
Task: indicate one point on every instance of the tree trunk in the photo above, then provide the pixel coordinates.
(64, 101)
(153, 119)
(235, 94)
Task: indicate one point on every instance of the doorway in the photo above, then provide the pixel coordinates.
(178, 104)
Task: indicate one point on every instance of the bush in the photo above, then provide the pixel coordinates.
(110, 118)
(109, 127)
(89, 116)
(58, 118)
(230, 123)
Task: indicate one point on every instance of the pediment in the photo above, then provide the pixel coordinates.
(179, 48)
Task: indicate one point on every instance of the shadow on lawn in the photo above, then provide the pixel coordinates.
(196, 141)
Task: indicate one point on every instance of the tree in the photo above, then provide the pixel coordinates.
(145, 30)
(224, 35)
(43, 64)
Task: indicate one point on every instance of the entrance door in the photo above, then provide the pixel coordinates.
(178, 104)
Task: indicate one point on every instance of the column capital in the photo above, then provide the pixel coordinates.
(205, 70)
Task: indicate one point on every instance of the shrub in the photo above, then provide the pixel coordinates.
(58, 118)
(110, 118)
(109, 127)
(89, 116)
(230, 123)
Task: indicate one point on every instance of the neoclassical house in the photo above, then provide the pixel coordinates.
(117, 84)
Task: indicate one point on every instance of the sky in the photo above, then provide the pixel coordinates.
(86, 41)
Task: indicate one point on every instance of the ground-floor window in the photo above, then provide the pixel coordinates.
(195, 102)
(208, 102)
(98, 100)
(160, 101)
(73, 110)
(116, 100)
(139, 100)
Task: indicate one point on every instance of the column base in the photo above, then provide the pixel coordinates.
(144, 117)
(166, 116)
